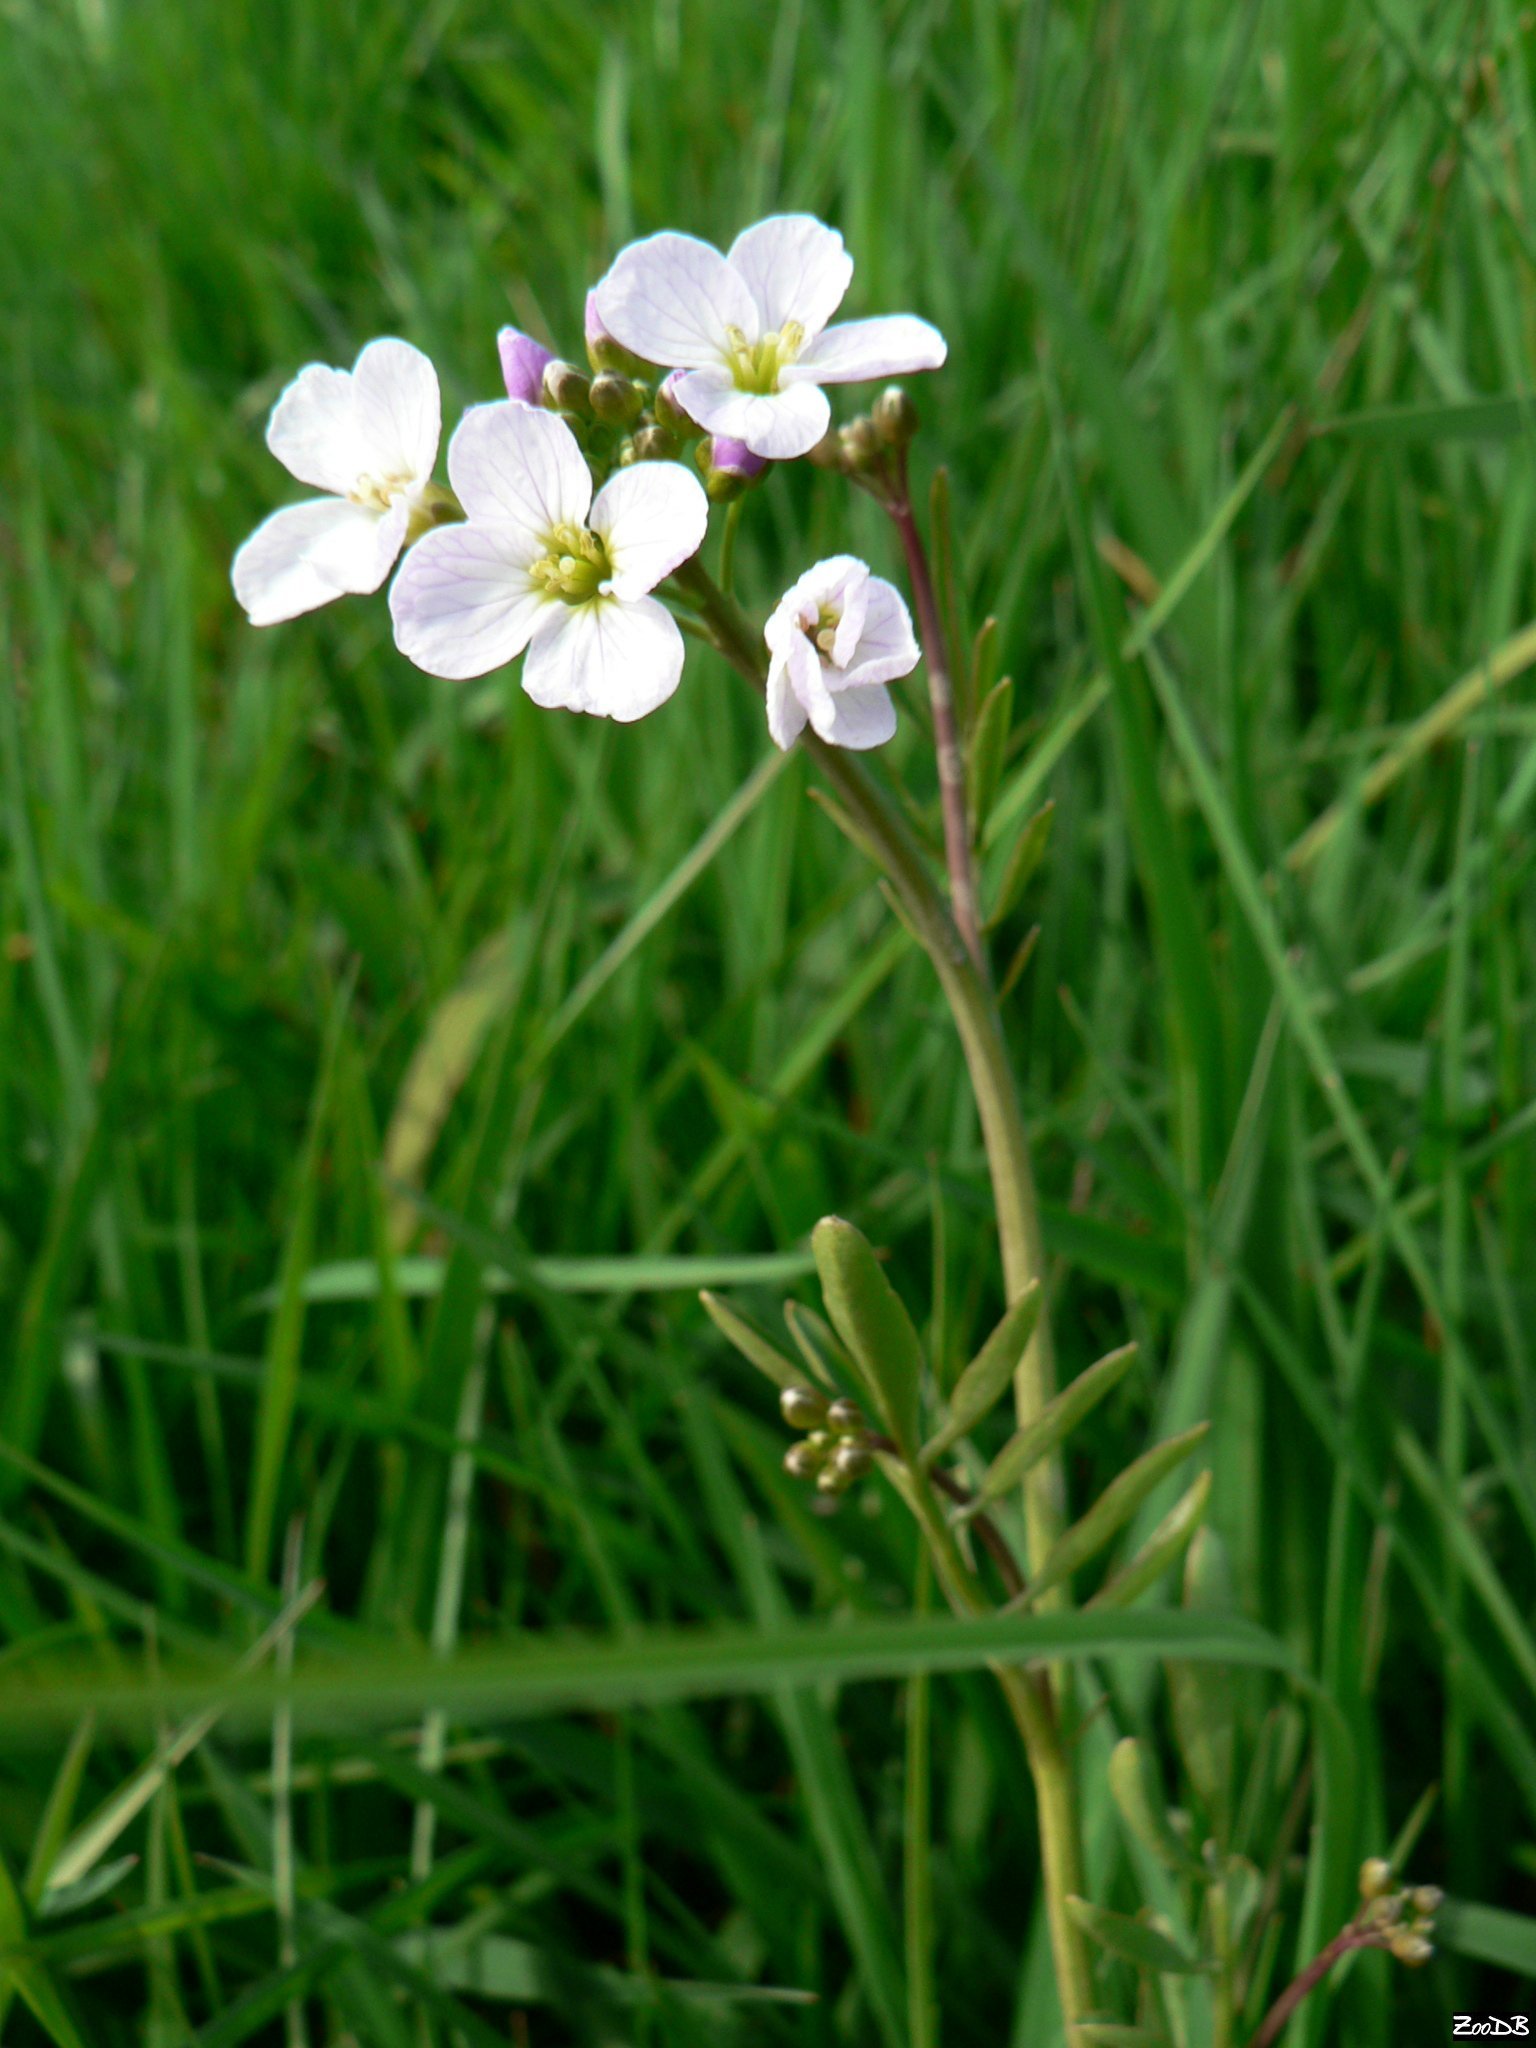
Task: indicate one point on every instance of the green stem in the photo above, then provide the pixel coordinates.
(1030, 1695)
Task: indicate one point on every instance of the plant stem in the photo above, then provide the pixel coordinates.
(976, 1019)
(941, 695)
(1278, 2017)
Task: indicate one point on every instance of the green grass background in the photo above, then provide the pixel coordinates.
(1283, 1121)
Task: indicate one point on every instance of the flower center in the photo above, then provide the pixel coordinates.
(755, 365)
(576, 569)
(821, 631)
(378, 493)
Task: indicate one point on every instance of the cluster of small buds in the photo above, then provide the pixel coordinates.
(1400, 1917)
(872, 448)
(836, 1449)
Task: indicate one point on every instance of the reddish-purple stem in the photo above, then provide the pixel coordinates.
(957, 831)
(1279, 2014)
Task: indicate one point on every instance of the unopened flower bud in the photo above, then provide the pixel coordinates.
(1375, 1877)
(860, 443)
(830, 1480)
(615, 398)
(895, 416)
(654, 444)
(627, 454)
(566, 388)
(1426, 1900)
(1385, 1911)
(801, 1462)
(1408, 1947)
(845, 1415)
(669, 413)
(828, 452)
(852, 1460)
(522, 364)
(603, 352)
(803, 1407)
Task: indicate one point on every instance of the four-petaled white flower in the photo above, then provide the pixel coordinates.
(366, 436)
(542, 564)
(836, 638)
(749, 330)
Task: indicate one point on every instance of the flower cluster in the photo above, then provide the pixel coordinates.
(568, 506)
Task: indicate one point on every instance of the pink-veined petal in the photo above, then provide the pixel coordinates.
(887, 646)
(613, 660)
(652, 516)
(786, 714)
(513, 465)
(293, 562)
(462, 603)
(671, 299)
(777, 424)
(399, 409)
(856, 719)
(856, 350)
(315, 432)
(797, 269)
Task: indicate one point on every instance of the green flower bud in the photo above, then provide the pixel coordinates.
(1426, 1899)
(801, 1462)
(845, 1415)
(860, 443)
(830, 1480)
(670, 414)
(566, 388)
(828, 452)
(654, 444)
(627, 454)
(852, 1460)
(1408, 1947)
(1375, 1877)
(895, 417)
(803, 1407)
(615, 398)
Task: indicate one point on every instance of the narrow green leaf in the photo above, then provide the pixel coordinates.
(1056, 1420)
(1140, 1800)
(1477, 419)
(870, 1317)
(1204, 1702)
(756, 1350)
(1113, 1509)
(989, 1373)
(1133, 1941)
(987, 749)
(1024, 857)
(1488, 1934)
(1161, 1551)
(1111, 2034)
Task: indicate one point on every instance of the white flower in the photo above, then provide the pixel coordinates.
(749, 330)
(367, 436)
(837, 637)
(542, 564)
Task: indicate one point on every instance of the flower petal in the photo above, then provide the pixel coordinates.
(786, 714)
(614, 660)
(858, 349)
(462, 603)
(305, 555)
(776, 424)
(512, 465)
(857, 719)
(671, 298)
(652, 516)
(315, 432)
(887, 646)
(399, 409)
(522, 364)
(797, 269)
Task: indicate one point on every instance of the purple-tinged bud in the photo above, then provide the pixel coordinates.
(603, 352)
(729, 468)
(522, 364)
(735, 458)
(669, 413)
